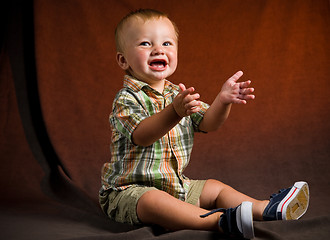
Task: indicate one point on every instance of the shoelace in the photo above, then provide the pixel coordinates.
(213, 211)
(279, 192)
(224, 215)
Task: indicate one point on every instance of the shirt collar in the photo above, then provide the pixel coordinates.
(136, 85)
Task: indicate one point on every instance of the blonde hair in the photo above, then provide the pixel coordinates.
(144, 14)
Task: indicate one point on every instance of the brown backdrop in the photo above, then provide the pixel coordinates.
(59, 77)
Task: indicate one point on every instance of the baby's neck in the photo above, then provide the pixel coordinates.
(158, 86)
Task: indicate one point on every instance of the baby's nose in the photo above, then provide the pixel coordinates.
(158, 50)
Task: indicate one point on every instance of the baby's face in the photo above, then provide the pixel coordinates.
(150, 49)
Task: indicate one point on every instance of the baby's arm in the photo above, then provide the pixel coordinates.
(231, 92)
(156, 126)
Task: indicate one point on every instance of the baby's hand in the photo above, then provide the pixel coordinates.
(186, 103)
(234, 92)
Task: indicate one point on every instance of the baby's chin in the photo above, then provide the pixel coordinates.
(159, 76)
(162, 75)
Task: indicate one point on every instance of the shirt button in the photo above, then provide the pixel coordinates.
(175, 146)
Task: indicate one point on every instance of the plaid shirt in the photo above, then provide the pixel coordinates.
(160, 165)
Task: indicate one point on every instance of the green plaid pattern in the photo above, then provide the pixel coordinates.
(160, 165)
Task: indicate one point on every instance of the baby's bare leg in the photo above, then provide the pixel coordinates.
(216, 194)
(158, 207)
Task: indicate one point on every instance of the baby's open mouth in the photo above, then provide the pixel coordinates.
(158, 64)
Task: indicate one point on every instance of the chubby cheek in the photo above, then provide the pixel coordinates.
(173, 59)
(138, 61)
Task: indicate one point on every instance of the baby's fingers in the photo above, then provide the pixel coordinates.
(249, 97)
(192, 104)
(185, 92)
(245, 84)
(235, 77)
(182, 87)
(246, 91)
(193, 110)
(242, 99)
(191, 97)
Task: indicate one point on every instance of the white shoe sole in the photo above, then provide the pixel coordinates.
(295, 203)
(244, 219)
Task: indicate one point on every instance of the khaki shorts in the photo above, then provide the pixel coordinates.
(121, 205)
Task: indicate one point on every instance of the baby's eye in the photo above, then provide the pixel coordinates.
(167, 44)
(144, 44)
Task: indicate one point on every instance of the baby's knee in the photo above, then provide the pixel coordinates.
(148, 204)
(151, 199)
(216, 185)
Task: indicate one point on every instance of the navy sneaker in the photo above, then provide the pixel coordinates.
(236, 222)
(288, 204)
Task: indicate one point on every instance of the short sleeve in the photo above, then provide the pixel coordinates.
(198, 117)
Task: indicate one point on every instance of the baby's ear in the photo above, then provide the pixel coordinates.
(121, 60)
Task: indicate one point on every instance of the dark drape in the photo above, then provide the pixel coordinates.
(58, 78)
